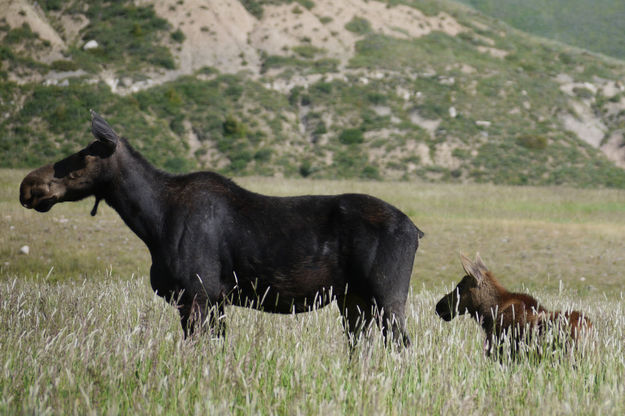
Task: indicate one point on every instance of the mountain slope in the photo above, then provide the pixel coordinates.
(596, 25)
(399, 90)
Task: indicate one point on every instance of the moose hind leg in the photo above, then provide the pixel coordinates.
(392, 322)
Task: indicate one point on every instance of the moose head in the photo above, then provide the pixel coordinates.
(75, 177)
(474, 290)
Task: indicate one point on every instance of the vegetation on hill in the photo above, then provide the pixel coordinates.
(485, 105)
(596, 25)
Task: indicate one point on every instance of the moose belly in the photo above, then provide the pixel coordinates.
(300, 290)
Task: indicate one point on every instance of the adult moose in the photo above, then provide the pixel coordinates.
(214, 243)
(502, 313)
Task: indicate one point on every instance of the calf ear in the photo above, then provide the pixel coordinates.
(102, 131)
(473, 269)
(480, 264)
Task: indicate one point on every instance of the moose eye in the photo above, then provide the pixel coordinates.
(75, 174)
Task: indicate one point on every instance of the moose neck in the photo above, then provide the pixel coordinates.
(489, 309)
(137, 193)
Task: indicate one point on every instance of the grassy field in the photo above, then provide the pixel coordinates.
(82, 332)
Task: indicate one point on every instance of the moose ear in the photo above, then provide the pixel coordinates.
(479, 263)
(102, 131)
(473, 269)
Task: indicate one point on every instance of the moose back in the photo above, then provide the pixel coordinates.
(214, 243)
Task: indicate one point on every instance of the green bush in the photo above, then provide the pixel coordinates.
(53, 5)
(320, 129)
(308, 4)
(531, 141)
(305, 169)
(233, 128)
(370, 172)
(307, 51)
(351, 136)
(359, 25)
(64, 65)
(263, 155)
(177, 165)
(376, 98)
(178, 36)
(254, 7)
(583, 93)
(19, 34)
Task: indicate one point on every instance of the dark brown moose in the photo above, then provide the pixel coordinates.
(502, 313)
(214, 243)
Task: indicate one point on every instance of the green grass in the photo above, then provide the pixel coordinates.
(89, 336)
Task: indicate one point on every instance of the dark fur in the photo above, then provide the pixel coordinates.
(502, 313)
(214, 243)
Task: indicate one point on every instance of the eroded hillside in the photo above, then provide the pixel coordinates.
(352, 88)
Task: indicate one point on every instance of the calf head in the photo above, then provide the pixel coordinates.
(75, 177)
(469, 294)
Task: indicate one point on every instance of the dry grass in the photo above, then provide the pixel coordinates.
(88, 339)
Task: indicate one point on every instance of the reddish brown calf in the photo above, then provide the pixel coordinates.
(502, 313)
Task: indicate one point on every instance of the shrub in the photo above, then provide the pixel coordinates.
(178, 36)
(351, 136)
(308, 4)
(320, 129)
(376, 98)
(19, 34)
(51, 4)
(531, 141)
(294, 95)
(233, 128)
(234, 91)
(305, 169)
(359, 25)
(177, 165)
(583, 93)
(63, 65)
(323, 87)
(263, 155)
(254, 7)
(307, 51)
(239, 160)
(370, 172)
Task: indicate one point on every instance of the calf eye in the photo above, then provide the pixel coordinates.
(74, 174)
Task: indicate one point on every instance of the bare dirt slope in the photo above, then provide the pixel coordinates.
(224, 35)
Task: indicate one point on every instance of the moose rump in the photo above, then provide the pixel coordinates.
(214, 243)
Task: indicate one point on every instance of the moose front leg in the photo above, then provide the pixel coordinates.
(204, 316)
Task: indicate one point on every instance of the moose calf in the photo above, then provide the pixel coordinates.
(502, 313)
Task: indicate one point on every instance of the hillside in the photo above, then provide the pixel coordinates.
(596, 25)
(381, 90)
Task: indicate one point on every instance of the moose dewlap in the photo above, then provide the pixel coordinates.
(503, 314)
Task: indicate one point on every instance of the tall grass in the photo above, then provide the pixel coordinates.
(82, 332)
(112, 347)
